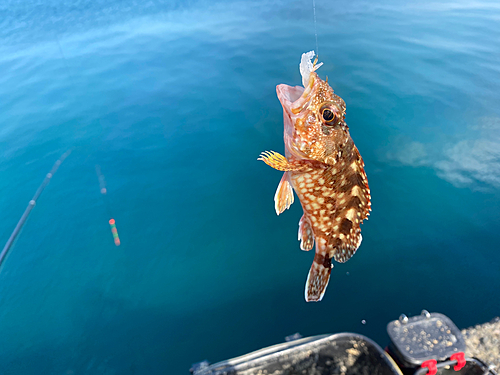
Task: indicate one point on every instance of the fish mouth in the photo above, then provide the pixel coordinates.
(295, 100)
(288, 95)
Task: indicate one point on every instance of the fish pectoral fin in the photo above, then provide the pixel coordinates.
(277, 161)
(318, 277)
(283, 198)
(306, 236)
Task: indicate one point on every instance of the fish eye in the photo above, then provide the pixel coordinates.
(328, 115)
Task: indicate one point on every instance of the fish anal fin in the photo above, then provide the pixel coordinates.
(306, 235)
(318, 277)
(283, 198)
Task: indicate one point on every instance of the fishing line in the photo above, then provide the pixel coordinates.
(315, 29)
(100, 176)
(31, 204)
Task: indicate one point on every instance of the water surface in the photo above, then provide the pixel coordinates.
(175, 101)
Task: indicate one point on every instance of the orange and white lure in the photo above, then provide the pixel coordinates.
(325, 169)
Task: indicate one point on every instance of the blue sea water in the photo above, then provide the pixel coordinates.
(175, 100)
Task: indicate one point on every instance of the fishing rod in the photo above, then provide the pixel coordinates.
(31, 204)
(112, 223)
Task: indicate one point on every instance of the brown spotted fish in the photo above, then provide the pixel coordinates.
(325, 169)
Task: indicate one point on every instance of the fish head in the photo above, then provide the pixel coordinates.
(313, 116)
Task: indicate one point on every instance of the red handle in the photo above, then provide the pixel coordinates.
(431, 365)
(460, 358)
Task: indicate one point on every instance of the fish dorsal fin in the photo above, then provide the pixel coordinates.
(345, 251)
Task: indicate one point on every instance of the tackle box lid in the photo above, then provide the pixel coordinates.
(423, 337)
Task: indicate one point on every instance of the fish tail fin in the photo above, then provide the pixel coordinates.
(318, 278)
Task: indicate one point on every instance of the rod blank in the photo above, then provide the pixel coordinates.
(31, 204)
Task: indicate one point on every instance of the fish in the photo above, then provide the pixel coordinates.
(325, 169)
